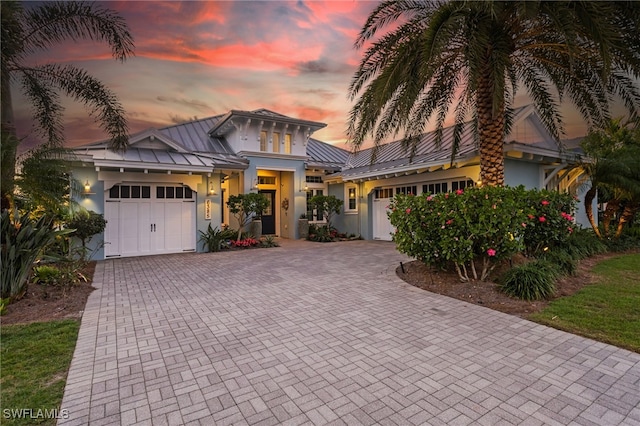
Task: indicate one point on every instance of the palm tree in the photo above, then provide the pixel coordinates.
(613, 169)
(27, 30)
(474, 54)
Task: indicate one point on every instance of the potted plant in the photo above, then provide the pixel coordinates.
(303, 226)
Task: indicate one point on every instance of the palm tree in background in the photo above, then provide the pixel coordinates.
(28, 30)
(613, 170)
(469, 57)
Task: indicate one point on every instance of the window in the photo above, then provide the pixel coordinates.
(406, 190)
(352, 201)
(384, 193)
(461, 184)
(263, 141)
(287, 143)
(276, 142)
(313, 179)
(266, 180)
(435, 188)
(314, 215)
(174, 192)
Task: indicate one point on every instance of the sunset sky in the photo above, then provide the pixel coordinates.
(198, 59)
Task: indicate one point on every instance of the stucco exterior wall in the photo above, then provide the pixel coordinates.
(522, 173)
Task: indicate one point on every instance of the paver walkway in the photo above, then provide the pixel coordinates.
(312, 333)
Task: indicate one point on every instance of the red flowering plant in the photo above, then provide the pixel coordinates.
(245, 243)
(551, 222)
(472, 229)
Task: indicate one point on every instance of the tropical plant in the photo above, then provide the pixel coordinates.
(566, 263)
(471, 228)
(321, 233)
(26, 30)
(47, 275)
(613, 168)
(269, 241)
(85, 224)
(531, 281)
(246, 207)
(550, 222)
(476, 228)
(477, 54)
(23, 240)
(213, 238)
(44, 182)
(326, 205)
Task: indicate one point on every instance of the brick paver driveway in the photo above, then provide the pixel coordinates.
(314, 333)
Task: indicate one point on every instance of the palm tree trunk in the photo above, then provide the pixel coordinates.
(491, 126)
(629, 211)
(613, 206)
(588, 208)
(9, 142)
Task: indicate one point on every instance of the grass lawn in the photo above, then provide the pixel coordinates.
(35, 361)
(608, 311)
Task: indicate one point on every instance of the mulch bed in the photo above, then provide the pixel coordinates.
(487, 293)
(42, 303)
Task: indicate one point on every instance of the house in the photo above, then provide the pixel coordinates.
(173, 182)
(532, 159)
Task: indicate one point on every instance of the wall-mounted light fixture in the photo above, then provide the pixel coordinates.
(304, 187)
(255, 184)
(87, 189)
(211, 189)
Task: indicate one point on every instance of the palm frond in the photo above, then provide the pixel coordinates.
(82, 87)
(53, 22)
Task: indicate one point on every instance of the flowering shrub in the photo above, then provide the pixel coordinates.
(245, 243)
(550, 223)
(477, 227)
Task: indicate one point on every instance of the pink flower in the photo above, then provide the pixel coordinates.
(408, 211)
(459, 192)
(544, 202)
(450, 221)
(570, 229)
(491, 252)
(524, 225)
(446, 195)
(542, 219)
(430, 197)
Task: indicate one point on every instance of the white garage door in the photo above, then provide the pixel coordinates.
(149, 219)
(382, 228)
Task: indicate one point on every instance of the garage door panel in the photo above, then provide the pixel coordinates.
(130, 223)
(112, 228)
(382, 228)
(172, 228)
(188, 225)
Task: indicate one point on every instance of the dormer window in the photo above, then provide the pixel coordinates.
(287, 143)
(276, 142)
(263, 141)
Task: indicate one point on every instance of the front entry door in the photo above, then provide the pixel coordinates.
(269, 215)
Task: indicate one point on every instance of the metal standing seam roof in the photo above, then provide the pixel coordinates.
(194, 136)
(154, 157)
(322, 154)
(393, 155)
